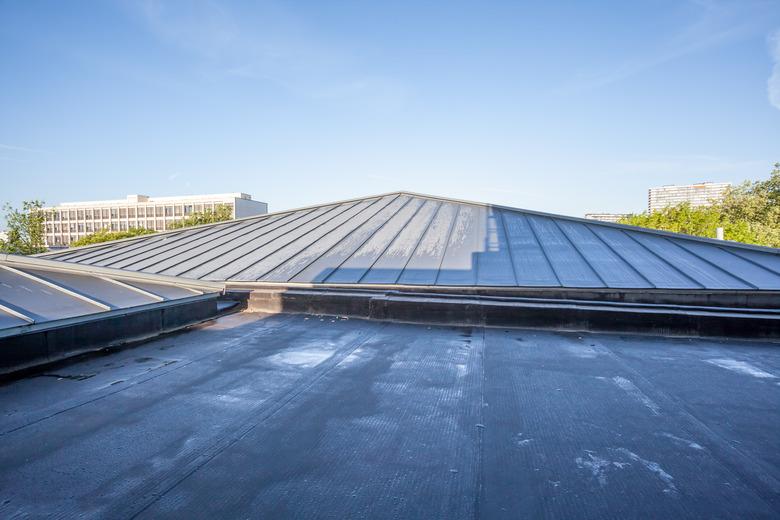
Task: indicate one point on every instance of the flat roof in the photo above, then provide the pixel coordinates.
(410, 239)
(305, 416)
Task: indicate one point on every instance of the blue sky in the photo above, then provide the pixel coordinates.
(565, 107)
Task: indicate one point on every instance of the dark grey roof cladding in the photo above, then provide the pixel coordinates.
(36, 291)
(409, 239)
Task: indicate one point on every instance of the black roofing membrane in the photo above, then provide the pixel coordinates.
(315, 416)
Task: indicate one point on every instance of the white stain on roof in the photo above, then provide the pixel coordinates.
(653, 467)
(688, 442)
(305, 358)
(632, 390)
(741, 367)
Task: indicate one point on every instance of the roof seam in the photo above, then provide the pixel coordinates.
(328, 249)
(182, 239)
(57, 287)
(293, 240)
(18, 314)
(281, 223)
(617, 253)
(447, 244)
(342, 239)
(737, 254)
(579, 252)
(419, 240)
(674, 267)
(542, 248)
(391, 241)
(508, 245)
(263, 224)
(716, 266)
(126, 285)
(369, 237)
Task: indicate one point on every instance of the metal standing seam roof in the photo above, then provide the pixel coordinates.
(36, 291)
(411, 239)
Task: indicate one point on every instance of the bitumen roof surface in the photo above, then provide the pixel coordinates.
(410, 239)
(320, 417)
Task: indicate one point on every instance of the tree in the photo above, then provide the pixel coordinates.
(748, 213)
(221, 213)
(25, 229)
(104, 235)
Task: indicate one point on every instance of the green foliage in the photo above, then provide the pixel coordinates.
(25, 229)
(221, 213)
(105, 235)
(748, 213)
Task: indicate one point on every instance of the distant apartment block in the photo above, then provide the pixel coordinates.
(701, 194)
(72, 220)
(606, 217)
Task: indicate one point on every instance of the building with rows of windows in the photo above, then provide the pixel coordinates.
(72, 220)
(701, 194)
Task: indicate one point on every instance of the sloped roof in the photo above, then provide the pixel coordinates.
(35, 291)
(410, 239)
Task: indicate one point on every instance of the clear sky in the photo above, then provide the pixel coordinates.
(565, 107)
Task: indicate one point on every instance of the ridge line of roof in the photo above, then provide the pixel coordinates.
(712, 241)
(727, 243)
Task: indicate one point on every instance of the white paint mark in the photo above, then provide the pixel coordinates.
(582, 351)
(689, 443)
(596, 465)
(302, 358)
(655, 468)
(631, 389)
(741, 367)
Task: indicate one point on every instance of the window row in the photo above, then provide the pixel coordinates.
(81, 227)
(176, 210)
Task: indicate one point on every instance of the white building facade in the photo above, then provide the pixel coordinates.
(606, 217)
(72, 220)
(697, 195)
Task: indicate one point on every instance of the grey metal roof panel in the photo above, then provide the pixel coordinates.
(40, 301)
(100, 289)
(410, 239)
(389, 266)
(572, 268)
(292, 265)
(321, 268)
(358, 264)
(37, 292)
(8, 320)
(235, 261)
(532, 267)
(326, 231)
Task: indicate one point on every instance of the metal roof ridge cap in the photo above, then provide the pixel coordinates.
(110, 272)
